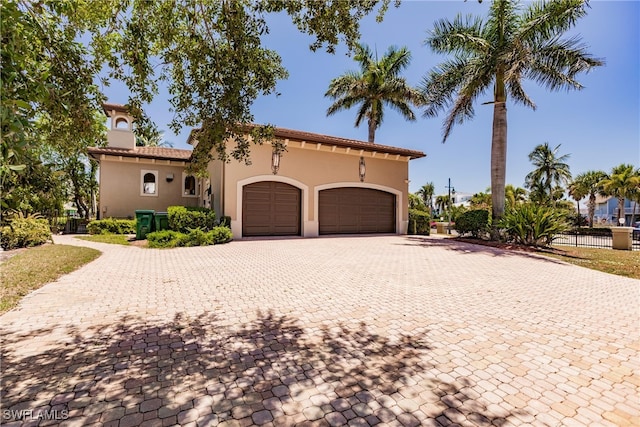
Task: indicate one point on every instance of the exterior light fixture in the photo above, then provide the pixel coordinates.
(362, 169)
(275, 161)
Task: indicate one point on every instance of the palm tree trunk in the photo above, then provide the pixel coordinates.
(592, 208)
(620, 209)
(498, 158)
(372, 130)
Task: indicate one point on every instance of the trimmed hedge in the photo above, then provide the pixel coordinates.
(474, 222)
(25, 233)
(185, 218)
(419, 222)
(195, 237)
(112, 226)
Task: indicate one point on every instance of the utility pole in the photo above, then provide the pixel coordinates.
(449, 187)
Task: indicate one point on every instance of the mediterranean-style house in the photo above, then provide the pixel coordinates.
(318, 185)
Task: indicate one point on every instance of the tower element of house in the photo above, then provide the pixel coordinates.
(120, 133)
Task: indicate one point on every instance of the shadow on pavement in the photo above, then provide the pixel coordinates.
(470, 248)
(197, 369)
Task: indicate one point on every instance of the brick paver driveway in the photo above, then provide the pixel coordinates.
(388, 330)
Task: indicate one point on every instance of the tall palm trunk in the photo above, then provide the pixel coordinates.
(592, 208)
(499, 148)
(620, 209)
(372, 130)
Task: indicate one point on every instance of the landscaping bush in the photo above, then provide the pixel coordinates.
(475, 222)
(112, 226)
(419, 222)
(532, 224)
(194, 237)
(24, 233)
(164, 239)
(183, 218)
(225, 221)
(221, 235)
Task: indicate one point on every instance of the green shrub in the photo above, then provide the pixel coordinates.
(183, 218)
(112, 226)
(24, 233)
(225, 221)
(419, 222)
(164, 239)
(221, 235)
(532, 224)
(474, 222)
(195, 237)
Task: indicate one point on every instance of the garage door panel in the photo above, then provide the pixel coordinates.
(355, 210)
(271, 209)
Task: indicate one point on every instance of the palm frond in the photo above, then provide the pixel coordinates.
(462, 36)
(556, 63)
(548, 19)
(439, 86)
(362, 112)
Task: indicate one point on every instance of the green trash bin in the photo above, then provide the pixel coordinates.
(144, 223)
(161, 221)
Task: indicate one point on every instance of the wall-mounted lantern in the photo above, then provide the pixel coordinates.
(362, 169)
(275, 160)
(169, 177)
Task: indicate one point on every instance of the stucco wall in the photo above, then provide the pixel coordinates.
(313, 169)
(216, 179)
(120, 187)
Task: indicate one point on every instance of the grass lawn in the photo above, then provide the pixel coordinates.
(34, 267)
(622, 263)
(116, 239)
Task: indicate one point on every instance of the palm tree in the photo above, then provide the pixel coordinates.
(443, 202)
(549, 169)
(498, 54)
(480, 200)
(426, 193)
(514, 195)
(376, 84)
(156, 139)
(588, 184)
(622, 184)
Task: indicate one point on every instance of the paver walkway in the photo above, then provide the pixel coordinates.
(389, 330)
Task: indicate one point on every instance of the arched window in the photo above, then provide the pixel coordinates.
(189, 185)
(122, 123)
(149, 183)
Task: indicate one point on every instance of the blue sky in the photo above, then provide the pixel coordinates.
(599, 126)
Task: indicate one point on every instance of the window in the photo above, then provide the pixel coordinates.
(122, 123)
(149, 183)
(189, 186)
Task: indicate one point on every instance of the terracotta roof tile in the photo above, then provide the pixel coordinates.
(334, 140)
(108, 108)
(145, 152)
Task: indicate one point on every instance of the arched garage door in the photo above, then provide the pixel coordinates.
(351, 210)
(270, 209)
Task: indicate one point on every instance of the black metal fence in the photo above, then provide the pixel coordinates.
(593, 238)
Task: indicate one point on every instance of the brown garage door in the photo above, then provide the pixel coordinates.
(356, 210)
(270, 209)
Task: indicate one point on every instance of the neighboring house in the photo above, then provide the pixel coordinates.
(607, 210)
(319, 185)
(461, 199)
